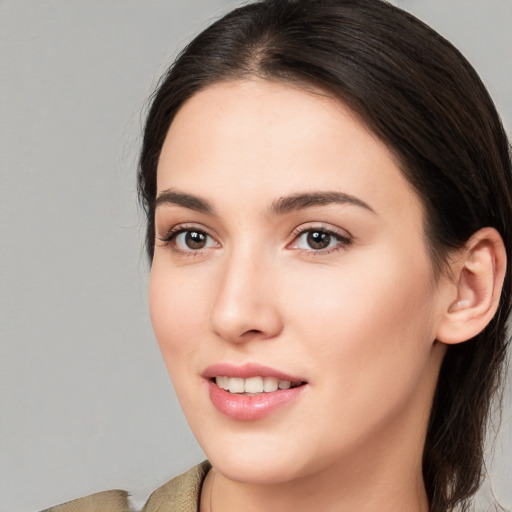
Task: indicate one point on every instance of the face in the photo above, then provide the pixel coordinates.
(291, 268)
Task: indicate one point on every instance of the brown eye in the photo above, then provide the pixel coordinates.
(191, 240)
(195, 239)
(318, 239)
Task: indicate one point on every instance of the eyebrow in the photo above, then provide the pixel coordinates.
(281, 206)
(300, 201)
(173, 197)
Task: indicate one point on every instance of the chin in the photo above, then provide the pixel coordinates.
(245, 453)
(251, 467)
(255, 455)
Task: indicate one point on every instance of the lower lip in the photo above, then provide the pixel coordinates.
(246, 407)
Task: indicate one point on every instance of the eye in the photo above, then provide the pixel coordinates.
(189, 239)
(193, 240)
(319, 240)
(315, 240)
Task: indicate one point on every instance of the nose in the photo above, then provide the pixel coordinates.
(246, 306)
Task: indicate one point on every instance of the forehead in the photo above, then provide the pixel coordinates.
(256, 137)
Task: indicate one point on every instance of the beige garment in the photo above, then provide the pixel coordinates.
(109, 501)
(181, 494)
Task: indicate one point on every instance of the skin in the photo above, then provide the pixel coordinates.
(357, 320)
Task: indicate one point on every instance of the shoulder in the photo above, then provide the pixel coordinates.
(108, 501)
(181, 494)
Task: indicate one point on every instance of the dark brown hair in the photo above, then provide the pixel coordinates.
(415, 91)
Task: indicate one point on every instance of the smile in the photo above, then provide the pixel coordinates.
(251, 392)
(253, 385)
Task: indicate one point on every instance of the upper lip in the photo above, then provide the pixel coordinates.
(247, 370)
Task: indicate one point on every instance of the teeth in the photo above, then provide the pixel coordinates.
(222, 382)
(236, 385)
(270, 384)
(252, 385)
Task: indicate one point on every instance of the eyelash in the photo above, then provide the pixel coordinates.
(343, 241)
(170, 237)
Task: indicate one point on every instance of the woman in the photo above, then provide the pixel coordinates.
(328, 194)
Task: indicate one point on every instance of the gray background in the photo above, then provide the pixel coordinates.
(85, 401)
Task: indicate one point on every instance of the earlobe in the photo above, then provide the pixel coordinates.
(477, 276)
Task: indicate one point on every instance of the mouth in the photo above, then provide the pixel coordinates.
(252, 386)
(251, 391)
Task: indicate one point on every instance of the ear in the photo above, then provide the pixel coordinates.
(477, 275)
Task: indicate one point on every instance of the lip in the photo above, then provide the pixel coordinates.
(247, 370)
(250, 407)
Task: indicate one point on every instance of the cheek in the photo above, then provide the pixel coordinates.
(367, 337)
(177, 310)
(369, 319)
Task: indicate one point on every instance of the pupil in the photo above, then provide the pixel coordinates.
(318, 239)
(195, 240)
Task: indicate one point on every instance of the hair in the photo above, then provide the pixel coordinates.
(423, 99)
